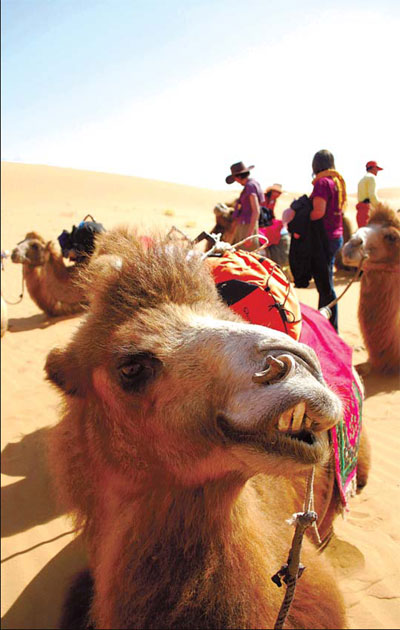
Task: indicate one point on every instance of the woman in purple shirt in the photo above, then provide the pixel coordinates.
(329, 198)
(247, 208)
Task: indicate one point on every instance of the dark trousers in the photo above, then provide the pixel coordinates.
(326, 290)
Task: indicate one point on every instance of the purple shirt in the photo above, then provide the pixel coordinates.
(242, 210)
(333, 218)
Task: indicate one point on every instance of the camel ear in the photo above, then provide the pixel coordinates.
(62, 370)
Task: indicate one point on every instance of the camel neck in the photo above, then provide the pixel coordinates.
(189, 560)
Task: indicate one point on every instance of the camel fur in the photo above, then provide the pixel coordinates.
(180, 448)
(379, 305)
(50, 283)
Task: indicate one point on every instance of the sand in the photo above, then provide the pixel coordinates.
(39, 551)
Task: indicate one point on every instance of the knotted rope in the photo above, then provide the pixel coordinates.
(293, 569)
(4, 256)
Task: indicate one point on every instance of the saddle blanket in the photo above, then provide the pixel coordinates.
(335, 357)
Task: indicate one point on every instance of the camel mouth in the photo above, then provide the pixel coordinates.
(303, 445)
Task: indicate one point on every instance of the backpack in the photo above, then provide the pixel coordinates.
(257, 289)
(81, 239)
(266, 216)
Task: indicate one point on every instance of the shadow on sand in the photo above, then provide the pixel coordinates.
(29, 501)
(40, 603)
(40, 320)
(376, 382)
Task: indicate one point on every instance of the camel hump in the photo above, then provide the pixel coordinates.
(385, 215)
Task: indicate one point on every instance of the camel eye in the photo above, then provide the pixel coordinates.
(391, 237)
(137, 370)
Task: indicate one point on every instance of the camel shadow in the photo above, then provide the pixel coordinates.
(40, 603)
(30, 501)
(40, 320)
(376, 382)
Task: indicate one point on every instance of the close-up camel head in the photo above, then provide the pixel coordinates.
(33, 250)
(172, 381)
(377, 242)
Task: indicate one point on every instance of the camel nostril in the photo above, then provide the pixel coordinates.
(276, 369)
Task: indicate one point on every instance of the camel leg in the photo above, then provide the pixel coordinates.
(364, 461)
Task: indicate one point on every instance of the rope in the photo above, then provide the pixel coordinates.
(292, 570)
(336, 300)
(21, 295)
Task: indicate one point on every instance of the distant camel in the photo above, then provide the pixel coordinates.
(347, 229)
(379, 305)
(185, 433)
(50, 283)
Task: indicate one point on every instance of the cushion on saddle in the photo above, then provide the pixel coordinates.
(257, 289)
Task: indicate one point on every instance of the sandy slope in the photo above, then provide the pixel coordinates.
(38, 551)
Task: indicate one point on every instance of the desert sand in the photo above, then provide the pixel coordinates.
(40, 551)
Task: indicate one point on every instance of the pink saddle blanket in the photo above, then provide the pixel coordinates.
(335, 357)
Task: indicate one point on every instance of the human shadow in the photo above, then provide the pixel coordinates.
(40, 603)
(40, 320)
(29, 501)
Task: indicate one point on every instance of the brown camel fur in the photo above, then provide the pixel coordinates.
(50, 283)
(179, 446)
(379, 305)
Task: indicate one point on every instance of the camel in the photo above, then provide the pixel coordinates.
(50, 283)
(379, 304)
(184, 436)
(347, 230)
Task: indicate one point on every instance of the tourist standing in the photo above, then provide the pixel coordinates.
(247, 207)
(328, 200)
(366, 193)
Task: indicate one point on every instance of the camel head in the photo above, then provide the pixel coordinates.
(174, 383)
(377, 242)
(33, 250)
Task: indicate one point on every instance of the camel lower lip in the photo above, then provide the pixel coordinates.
(304, 446)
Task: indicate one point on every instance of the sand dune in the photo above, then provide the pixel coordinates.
(39, 550)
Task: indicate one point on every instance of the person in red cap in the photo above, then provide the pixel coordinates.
(366, 193)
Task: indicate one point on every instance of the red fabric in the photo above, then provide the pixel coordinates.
(272, 232)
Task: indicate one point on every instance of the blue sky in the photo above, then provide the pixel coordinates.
(179, 90)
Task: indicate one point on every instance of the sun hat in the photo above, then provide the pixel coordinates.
(276, 187)
(236, 169)
(372, 164)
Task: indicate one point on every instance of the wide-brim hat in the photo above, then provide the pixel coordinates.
(237, 169)
(372, 164)
(276, 187)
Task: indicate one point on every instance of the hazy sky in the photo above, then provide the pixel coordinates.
(179, 90)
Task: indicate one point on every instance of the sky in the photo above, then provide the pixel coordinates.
(178, 90)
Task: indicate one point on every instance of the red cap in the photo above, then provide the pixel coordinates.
(371, 164)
